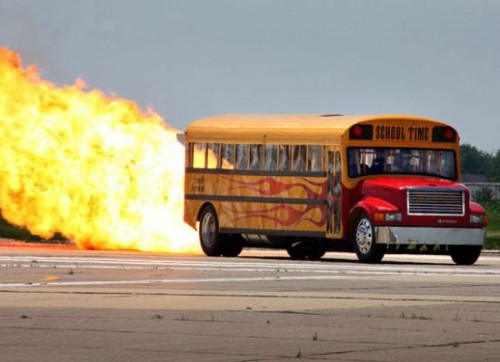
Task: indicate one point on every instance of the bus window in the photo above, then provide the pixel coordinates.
(213, 155)
(299, 158)
(227, 152)
(447, 164)
(271, 157)
(199, 155)
(314, 159)
(408, 161)
(359, 161)
(401, 161)
(285, 160)
(255, 157)
(415, 160)
(241, 157)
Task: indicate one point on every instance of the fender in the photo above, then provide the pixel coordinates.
(372, 205)
(475, 208)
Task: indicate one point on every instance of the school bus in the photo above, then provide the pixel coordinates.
(316, 183)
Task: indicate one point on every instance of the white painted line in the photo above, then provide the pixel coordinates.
(243, 265)
(169, 281)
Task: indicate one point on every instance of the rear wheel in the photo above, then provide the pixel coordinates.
(306, 250)
(211, 240)
(233, 244)
(317, 250)
(465, 254)
(363, 239)
(214, 243)
(297, 250)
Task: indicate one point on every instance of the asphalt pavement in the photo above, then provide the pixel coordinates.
(62, 304)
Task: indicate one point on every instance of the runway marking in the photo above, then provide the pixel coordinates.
(251, 266)
(176, 281)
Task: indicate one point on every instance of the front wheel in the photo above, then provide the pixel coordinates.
(465, 254)
(363, 239)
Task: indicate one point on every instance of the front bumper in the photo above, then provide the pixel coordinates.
(401, 235)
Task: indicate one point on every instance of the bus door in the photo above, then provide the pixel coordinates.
(334, 194)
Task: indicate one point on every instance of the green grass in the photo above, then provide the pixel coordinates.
(493, 230)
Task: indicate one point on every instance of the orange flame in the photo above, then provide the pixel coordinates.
(89, 166)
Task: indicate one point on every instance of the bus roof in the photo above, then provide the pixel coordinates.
(320, 128)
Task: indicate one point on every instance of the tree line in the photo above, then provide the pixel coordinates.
(475, 161)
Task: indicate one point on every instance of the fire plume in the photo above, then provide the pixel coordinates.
(89, 166)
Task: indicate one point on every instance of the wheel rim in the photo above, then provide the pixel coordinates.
(208, 230)
(364, 236)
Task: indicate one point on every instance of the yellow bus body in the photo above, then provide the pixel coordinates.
(313, 180)
(331, 131)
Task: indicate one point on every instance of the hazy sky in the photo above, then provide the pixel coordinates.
(189, 59)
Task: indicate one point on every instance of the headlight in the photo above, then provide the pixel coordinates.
(388, 216)
(476, 219)
(395, 216)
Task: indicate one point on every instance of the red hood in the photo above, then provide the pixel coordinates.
(385, 194)
(393, 189)
(406, 182)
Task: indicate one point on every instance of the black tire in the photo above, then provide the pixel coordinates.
(211, 241)
(306, 250)
(465, 254)
(363, 240)
(233, 245)
(297, 250)
(317, 248)
(316, 252)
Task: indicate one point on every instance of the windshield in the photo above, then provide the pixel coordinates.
(401, 161)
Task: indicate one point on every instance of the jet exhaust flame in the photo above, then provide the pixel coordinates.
(90, 166)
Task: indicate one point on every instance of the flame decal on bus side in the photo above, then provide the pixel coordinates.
(275, 187)
(269, 186)
(294, 216)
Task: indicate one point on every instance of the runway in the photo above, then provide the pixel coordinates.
(59, 303)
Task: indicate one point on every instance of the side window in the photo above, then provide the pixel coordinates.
(241, 157)
(299, 158)
(213, 155)
(315, 158)
(199, 155)
(285, 159)
(227, 152)
(255, 157)
(271, 158)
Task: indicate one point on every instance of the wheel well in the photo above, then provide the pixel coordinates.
(350, 221)
(201, 209)
(353, 215)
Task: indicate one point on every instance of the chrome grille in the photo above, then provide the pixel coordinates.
(435, 201)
